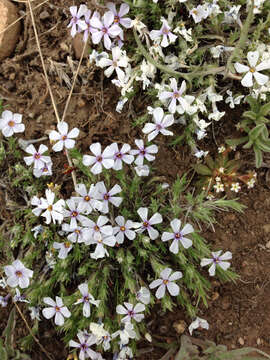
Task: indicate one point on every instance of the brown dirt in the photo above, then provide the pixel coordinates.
(236, 312)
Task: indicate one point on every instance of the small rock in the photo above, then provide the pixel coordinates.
(81, 103)
(259, 341)
(266, 228)
(12, 76)
(241, 341)
(78, 44)
(44, 15)
(9, 38)
(268, 245)
(180, 326)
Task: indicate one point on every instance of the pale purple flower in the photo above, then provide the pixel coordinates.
(88, 201)
(53, 211)
(63, 138)
(11, 123)
(107, 29)
(76, 23)
(86, 300)
(165, 32)
(175, 95)
(119, 15)
(74, 213)
(123, 229)
(147, 224)
(78, 234)
(253, 69)
(144, 152)
(4, 300)
(64, 248)
(46, 170)
(119, 59)
(99, 159)
(37, 158)
(143, 295)
(142, 170)
(36, 201)
(57, 309)
(89, 30)
(84, 346)
(160, 124)
(178, 236)
(18, 274)
(217, 260)
(97, 230)
(166, 281)
(20, 297)
(121, 156)
(108, 196)
(125, 333)
(100, 250)
(131, 312)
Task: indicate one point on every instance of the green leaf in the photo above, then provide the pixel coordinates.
(235, 142)
(256, 131)
(202, 169)
(258, 156)
(263, 145)
(250, 115)
(265, 109)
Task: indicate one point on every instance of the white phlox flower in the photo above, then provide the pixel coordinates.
(253, 70)
(174, 96)
(131, 312)
(217, 260)
(74, 213)
(57, 309)
(143, 295)
(37, 158)
(232, 101)
(125, 333)
(161, 122)
(103, 336)
(86, 300)
(148, 224)
(123, 229)
(99, 159)
(119, 59)
(165, 33)
(84, 346)
(53, 211)
(64, 248)
(178, 236)
(97, 230)
(20, 297)
(18, 274)
(144, 152)
(46, 170)
(78, 234)
(166, 281)
(100, 251)
(121, 155)
(76, 22)
(87, 201)
(142, 170)
(199, 13)
(63, 138)
(11, 123)
(108, 196)
(119, 15)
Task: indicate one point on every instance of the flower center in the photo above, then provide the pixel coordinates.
(11, 123)
(87, 198)
(131, 313)
(159, 127)
(178, 235)
(118, 155)
(74, 214)
(86, 298)
(57, 308)
(145, 224)
(84, 347)
(77, 231)
(45, 169)
(165, 282)
(176, 95)
(165, 31)
(67, 244)
(37, 156)
(104, 30)
(99, 241)
(142, 152)
(216, 260)
(114, 63)
(64, 137)
(96, 228)
(122, 228)
(195, 12)
(106, 197)
(252, 70)
(18, 273)
(49, 208)
(116, 19)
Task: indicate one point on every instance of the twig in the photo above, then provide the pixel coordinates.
(31, 332)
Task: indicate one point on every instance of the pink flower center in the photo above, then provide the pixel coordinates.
(165, 31)
(106, 197)
(145, 224)
(96, 228)
(131, 313)
(64, 137)
(104, 30)
(176, 95)
(159, 127)
(99, 158)
(142, 152)
(57, 308)
(37, 156)
(118, 155)
(116, 19)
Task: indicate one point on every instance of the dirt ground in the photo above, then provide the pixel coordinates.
(238, 313)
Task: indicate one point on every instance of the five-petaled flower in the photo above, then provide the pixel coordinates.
(99, 159)
(119, 59)
(37, 158)
(76, 23)
(217, 260)
(57, 309)
(84, 346)
(53, 211)
(147, 224)
(131, 312)
(144, 152)
(11, 123)
(119, 15)
(86, 300)
(253, 70)
(160, 124)
(178, 235)
(123, 229)
(166, 281)
(175, 95)
(63, 138)
(165, 33)
(18, 274)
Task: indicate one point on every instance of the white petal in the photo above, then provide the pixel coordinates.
(158, 114)
(226, 256)
(176, 276)
(49, 301)
(247, 80)
(224, 265)
(261, 78)
(153, 233)
(253, 57)
(160, 291)
(240, 68)
(173, 288)
(187, 243)
(167, 236)
(48, 313)
(175, 225)
(174, 248)
(155, 219)
(121, 310)
(62, 127)
(59, 319)
(143, 213)
(187, 229)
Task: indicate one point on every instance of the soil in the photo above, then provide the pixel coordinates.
(239, 312)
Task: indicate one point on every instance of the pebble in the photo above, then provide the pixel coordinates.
(9, 38)
(266, 228)
(180, 326)
(241, 341)
(44, 15)
(268, 245)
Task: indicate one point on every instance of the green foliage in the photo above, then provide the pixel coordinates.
(197, 349)
(254, 124)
